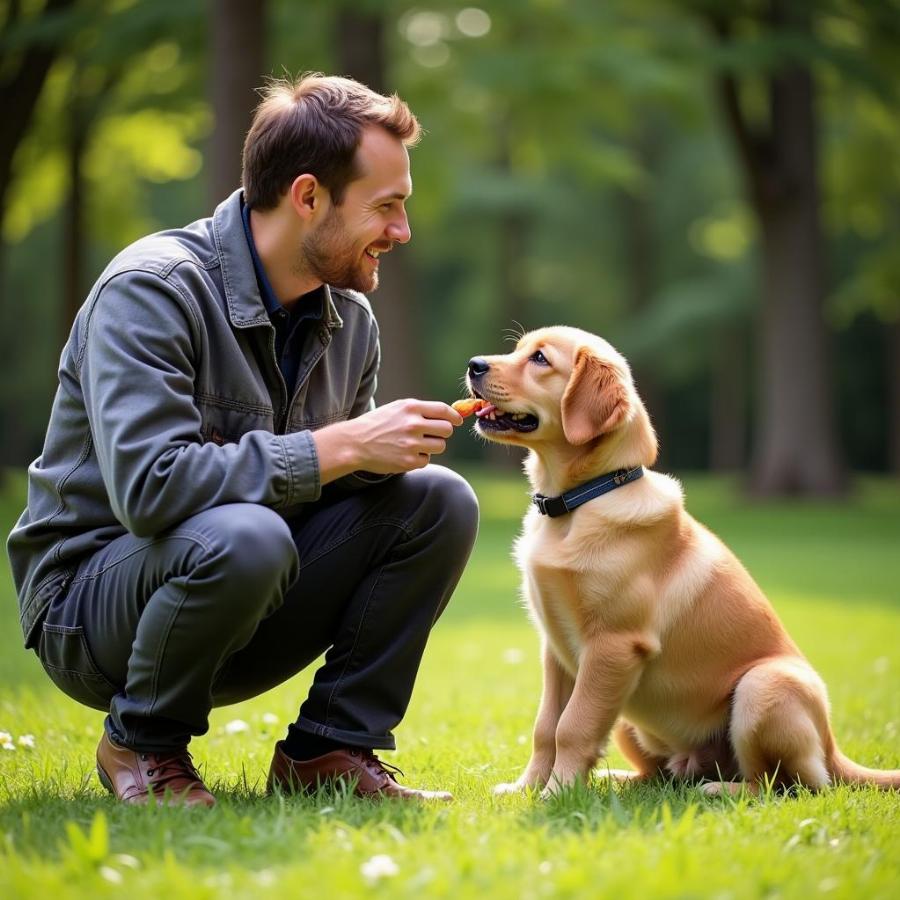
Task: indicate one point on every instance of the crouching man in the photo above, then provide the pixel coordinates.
(218, 500)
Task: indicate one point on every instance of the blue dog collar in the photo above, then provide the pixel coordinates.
(596, 487)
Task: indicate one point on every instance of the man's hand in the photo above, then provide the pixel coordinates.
(397, 437)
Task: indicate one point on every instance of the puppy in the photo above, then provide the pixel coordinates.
(652, 630)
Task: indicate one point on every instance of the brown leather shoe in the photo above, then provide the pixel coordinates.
(165, 778)
(370, 776)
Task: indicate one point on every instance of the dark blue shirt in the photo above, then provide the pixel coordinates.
(291, 326)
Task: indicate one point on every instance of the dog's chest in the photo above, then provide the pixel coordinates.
(556, 595)
(579, 578)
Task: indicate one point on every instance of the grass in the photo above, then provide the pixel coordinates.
(833, 572)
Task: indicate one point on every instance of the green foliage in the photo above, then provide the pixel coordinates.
(124, 74)
(551, 121)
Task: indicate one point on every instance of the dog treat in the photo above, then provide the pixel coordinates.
(468, 406)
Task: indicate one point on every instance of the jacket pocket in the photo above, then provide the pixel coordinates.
(224, 422)
(66, 657)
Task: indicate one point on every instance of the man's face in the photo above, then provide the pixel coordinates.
(344, 248)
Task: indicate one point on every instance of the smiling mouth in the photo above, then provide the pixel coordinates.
(374, 252)
(493, 419)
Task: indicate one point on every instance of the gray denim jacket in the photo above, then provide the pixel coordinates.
(170, 401)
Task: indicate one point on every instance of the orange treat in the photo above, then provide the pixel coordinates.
(468, 406)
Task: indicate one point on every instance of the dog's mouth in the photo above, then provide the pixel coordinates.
(492, 418)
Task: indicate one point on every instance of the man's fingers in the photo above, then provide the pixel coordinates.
(435, 409)
(437, 428)
(433, 445)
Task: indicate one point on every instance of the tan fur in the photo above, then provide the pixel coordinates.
(652, 630)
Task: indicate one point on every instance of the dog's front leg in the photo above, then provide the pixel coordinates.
(609, 671)
(556, 691)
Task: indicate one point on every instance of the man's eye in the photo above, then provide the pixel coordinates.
(539, 358)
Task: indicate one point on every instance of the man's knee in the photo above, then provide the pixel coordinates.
(249, 543)
(449, 499)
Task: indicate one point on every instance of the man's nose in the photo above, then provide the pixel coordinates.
(399, 231)
(478, 365)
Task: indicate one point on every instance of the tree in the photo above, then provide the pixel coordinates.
(238, 29)
(31, 42)
(797, 450)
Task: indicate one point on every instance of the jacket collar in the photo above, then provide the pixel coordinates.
(245, 306)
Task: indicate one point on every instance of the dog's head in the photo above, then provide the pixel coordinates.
(565, 394)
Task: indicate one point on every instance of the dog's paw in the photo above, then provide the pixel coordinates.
(619, 775)
(510, 787)
(723, 788)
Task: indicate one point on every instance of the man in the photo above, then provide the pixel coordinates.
(214, 506)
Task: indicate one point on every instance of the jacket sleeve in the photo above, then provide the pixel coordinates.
(365, 402)
(137, 367)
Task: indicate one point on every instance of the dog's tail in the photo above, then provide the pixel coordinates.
(843, 770)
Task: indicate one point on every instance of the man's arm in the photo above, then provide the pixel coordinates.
(138, 379)
(397, 437)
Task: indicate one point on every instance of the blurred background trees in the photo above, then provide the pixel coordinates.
(712, 186)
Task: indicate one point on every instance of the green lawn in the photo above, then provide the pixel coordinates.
(832, 571)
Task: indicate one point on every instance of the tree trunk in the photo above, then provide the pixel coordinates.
(73, 220)
(892, 346)
(796, 446)
(21, 81)
(237, 68)
(360, 46)
(20, 88)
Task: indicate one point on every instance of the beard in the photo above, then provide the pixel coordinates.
(330, 255)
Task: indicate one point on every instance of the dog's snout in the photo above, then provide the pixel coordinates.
(478, 365)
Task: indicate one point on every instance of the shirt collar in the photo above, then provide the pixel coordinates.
(312, 309)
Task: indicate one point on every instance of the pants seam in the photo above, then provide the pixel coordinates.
(362, 620)
(187, 535)
(396, 523)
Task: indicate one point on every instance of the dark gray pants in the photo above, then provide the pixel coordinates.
(237, 599)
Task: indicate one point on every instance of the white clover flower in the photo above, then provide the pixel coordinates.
(5, 737)
(8, 745)
(270, 719)
(113, 876)
(378, 867)
(513, 656)
(236, 726)
(26, 740)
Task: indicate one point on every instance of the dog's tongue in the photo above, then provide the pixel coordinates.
(485, 410)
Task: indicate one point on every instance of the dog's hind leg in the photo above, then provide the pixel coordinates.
(779, 727)
(646, 764)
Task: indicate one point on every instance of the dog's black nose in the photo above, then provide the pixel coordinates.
(478, 366)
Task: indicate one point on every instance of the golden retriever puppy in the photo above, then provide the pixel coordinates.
(652, 630)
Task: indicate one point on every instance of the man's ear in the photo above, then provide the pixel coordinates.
(595, 400)
(306, 195)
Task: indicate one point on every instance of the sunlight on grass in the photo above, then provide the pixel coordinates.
(834, 576)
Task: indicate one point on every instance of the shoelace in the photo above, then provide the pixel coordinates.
(372, 761)
(167, 768)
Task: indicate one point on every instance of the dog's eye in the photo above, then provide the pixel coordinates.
(539, 358)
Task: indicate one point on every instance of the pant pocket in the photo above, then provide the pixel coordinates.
(66, 657)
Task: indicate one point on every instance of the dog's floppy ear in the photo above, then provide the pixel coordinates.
(595, 400)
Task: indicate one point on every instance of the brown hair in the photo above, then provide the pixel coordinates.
(314, 124)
